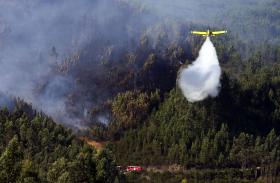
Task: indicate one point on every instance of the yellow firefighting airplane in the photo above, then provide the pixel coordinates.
(209, 33)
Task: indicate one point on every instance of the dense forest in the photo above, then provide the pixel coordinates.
(35, 149)
(120, 86)
(238, 130)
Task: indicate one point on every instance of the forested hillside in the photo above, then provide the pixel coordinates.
(35, 149)
(238, 109)
(239, 129)
(108, 71)
(252, 21)
(82, 57)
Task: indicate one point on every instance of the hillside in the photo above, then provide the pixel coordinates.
(102, 80)
(35, 149)
(252, 21)
(80, 58)
(237, 130)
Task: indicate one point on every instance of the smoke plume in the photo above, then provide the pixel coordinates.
(202, 78)
(37, 37)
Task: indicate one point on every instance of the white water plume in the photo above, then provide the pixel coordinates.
(202, 78)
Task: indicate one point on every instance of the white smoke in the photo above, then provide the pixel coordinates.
(202, 78)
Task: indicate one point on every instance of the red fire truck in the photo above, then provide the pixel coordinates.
(134, 168)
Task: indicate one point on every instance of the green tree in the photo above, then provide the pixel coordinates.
(106, 167)
(10, 162)
(57, 171)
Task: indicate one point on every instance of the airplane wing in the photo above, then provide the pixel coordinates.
(219, 32)
(199, 33)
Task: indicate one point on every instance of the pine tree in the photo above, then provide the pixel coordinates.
(10, 162)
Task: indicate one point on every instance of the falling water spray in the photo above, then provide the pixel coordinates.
(202, 78)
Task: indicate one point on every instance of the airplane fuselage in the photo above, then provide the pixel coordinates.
(209, 33)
